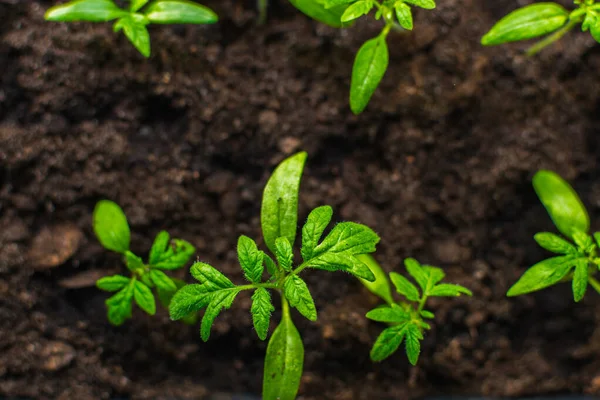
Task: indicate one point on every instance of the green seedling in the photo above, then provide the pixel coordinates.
(133, 20)
(279, 214)
(578, 261)
(372, 58)
(112, 230)
(406, 318)
(536, 20)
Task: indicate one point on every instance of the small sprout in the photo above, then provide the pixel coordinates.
(340, 250)
(112, 230)
(133, 21)
(578, 261)
(406, 318)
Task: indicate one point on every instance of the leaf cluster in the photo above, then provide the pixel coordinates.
(112, 230)
(133, 20)
(578, 260)
(539, 19)
(406, 318)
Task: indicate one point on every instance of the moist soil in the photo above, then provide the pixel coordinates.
(440, 165)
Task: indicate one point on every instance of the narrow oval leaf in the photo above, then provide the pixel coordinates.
(543, 274)
(381, 285)
(220, 300)
(85, 10)
(159, 247)
(595, 31)
(119, 306)
(427, 4)
(261, 310)
(179, 12)
(580, 279)
(356, 10)
(250, 258)
(135, 5)
(279, 210)
(188, 299)
(388, 342)
(417, 272)
(283, 362)
(134, 263)
(404, 15)
(162, 281)
(297, 293)
(526, 23)
(175, 256)
(449, 290)
(210, 276)
(317, 221)
(283, 252)
(144, 298)
(331, 16)
(413, 339)
(393, 314)
(370, 65)
(136, 32)
(404, 287)
(554, 243)
(112, 283)
(562, 203)
(110, 226)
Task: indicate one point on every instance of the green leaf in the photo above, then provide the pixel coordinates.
(314, 9)
(175, 256)
(388, 342)
(393, 314)
(119, 305)
(526, 23)
(218, 301)
(449, 290)
(404, 15)
(312, 231)
(413, 339)
(210, 277)
(144, 298)
(595, 31)
(284, 254)
(250, 258)
(554, 243)
(543, 274)
(110, 226)
(188, 299)
(270, 264)
(112, 283)
(283, 362)
(427, 4)
(427, 314)
(162, 281)
(297, 293)
(85, 10)
(404, 287)
(356, 10)
(584, 241)
(159, 247)
(381, 285)
(134, 263)
(562, 203)
(342, 262)
(580, 279)
(179, 12)
(350, 238)
(136, 5)
(135, 30)
(279, 211)
(261, 312)
(165, 296)
(369, 67)
(417, 272)
(333, 3)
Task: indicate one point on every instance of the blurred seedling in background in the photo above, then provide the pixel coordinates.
(279, 216)
(112, 230)
(536, 20)
(133, 20)
(407, 319)
(578, 261)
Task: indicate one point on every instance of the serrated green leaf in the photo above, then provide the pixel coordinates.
(144, 298)
(584, 241)
(135, 30)
(393, 314)
(210, 277)
(133, 262)
(270, 264)
(179, 12)
(159, 247)
(417, 272)
(543, 274)
(188, 299)
(404, 287)
(279, 210)
(580, 279)
(342, 262)
(299, 297)
(404, 15)
(356, 10)
(218, 301)
(526, 23)
(110, 226)
(283, 252)
(426, 4)
(413, 337)
(119, 305)
(261, 312)
(250, 258)
(85, 10)
(595, 31)
(449, 290)
(350, 238)
(176, 255)
(388, 342)
(112, 283)
(165, 296)
(317, 11)
(283, 362)
(312, 231)
(380, 286)
(562, 203)
(427, 314)
(554, 243)
(135, 5)
(162, 281)
(588, 21)
(434, 275)
(370, 65)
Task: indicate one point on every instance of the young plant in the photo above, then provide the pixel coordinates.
(279, 214)
(112, 230)
(133, 21)
(578, 261)
(406, 318)
(371, 61)
(541, 19)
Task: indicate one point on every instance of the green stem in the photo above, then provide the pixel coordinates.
(595, 284)
(251, 286)
(262, 11)
(285, 308)
(552, 38)
(422, 304)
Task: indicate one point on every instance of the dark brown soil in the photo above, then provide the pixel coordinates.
(440, 165)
